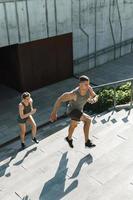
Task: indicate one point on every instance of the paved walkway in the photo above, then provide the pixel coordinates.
(44, 98)
(118, 69)
(53, 171)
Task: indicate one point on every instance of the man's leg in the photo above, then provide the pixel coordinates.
(73, 125)
(87, 123)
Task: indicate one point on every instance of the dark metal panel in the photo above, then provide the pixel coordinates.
(9, 66)
(33, 65)
(64, 56)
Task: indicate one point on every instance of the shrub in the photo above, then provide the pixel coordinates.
(106, 98)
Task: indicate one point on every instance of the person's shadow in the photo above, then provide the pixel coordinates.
(87, 159)
(26, 155)
(6, 166)
(26, 198)
(55, 187)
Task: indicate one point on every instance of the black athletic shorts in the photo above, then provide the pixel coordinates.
(75, 115)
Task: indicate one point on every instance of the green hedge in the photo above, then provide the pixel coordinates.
(106, 96)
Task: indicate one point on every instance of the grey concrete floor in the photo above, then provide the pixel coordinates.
(53, 171)
(115, 70)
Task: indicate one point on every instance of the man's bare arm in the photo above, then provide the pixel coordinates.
(68, 96)
(93, 96)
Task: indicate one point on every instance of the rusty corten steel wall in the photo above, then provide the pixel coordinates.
(32, 65)
(9, 66)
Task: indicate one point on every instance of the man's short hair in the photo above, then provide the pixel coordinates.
(83, 78)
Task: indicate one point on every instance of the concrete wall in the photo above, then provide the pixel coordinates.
(99, 27)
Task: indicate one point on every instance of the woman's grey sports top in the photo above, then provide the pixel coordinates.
(27, 109)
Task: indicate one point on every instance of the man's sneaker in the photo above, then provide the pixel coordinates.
(70, 142)
(35, 140)
(23, 145)
(89, 144)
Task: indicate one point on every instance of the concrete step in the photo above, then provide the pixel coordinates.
(119, 187)
(52, 170)
(106, 167)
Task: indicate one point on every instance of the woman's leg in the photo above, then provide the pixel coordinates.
(22, 133)
(32, 122)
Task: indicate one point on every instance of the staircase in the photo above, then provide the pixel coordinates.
(53, 171)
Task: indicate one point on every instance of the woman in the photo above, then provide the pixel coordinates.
(26, 111)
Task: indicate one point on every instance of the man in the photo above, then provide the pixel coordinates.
(77, 98)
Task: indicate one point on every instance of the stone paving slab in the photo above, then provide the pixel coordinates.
(119, 187)
(116, 160)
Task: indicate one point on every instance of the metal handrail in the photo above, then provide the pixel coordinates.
(115, 84)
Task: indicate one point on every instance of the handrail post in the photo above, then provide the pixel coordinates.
(114, 98)
(131, 94)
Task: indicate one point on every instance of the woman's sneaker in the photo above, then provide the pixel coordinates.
(35, 140)
(70, 142)
(23, 145)
(89, 144)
